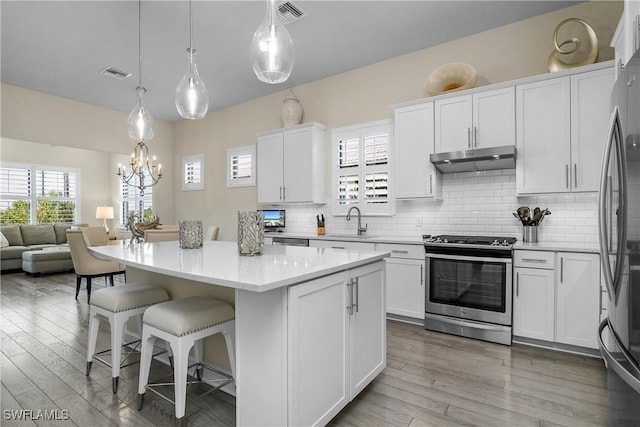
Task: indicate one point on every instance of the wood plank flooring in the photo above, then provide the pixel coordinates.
(431, 379)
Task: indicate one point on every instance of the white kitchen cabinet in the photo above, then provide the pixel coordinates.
(557, 297)
(577, 299)
(543, 114)
(405, 280)
(590, 113)
(336, 341)
(482, 120)
(626, 38)
(566, 116)
(291, 164)
(414, 176)
(534, 303)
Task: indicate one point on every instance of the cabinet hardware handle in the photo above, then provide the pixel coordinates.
(544, 261)
(430, 184)
(284, 193)
(575, 175)
(399, 252)
(357, 298)
(567, 174)
(475, 136)
(468, 137)
(561, 269)
(421, 274)
(350, 293)
(600, 300)
(517, 284)
(338, 247)
(281, 198)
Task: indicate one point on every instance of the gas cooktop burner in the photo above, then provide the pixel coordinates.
(501, 242)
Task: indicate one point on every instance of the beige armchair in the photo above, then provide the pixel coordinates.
(161, 235)
(85, 263)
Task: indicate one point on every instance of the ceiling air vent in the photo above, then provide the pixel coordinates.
(115, 73)
(290, 12)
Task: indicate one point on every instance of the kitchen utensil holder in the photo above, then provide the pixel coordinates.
(530, 233)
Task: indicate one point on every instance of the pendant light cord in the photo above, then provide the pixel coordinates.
(140, 43)
(190, 27)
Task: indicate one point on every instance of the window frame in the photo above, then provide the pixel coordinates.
(198, 184)
(33, 198)
(249, 181)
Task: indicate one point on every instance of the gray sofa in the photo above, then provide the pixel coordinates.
(23, 238)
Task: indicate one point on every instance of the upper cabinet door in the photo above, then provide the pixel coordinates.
(298, 154)
(270, 168)
(494, 118)
(413, 174)
(543, 136)
(453, 124)
(590, 112)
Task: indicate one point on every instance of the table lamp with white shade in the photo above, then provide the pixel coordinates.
(104, 213)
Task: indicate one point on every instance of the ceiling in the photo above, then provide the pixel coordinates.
(60, 47)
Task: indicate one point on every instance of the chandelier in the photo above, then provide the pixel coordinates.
(143, 172)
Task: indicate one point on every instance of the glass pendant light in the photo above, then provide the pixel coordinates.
(272, 48)
(192, 98)
(140, 121)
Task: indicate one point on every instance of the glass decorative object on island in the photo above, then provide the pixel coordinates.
(250, 233)
(190, 234)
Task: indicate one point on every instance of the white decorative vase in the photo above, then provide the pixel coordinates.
(291, 112)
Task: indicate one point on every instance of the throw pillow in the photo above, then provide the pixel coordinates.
(61, 232)
(3, 241)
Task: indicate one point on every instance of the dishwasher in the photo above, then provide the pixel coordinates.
(290, 241)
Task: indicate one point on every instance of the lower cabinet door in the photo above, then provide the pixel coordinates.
(318, 348)
(405, 287)
(368, 353)
(534, 303)
(578, 299)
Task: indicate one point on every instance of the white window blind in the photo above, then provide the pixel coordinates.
(38, 194)
(193, 172)
(241, 166)
(376, 149)
(134, 200)
(349, 152)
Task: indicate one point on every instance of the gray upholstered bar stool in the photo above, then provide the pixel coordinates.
(184, 323)
(118, 304)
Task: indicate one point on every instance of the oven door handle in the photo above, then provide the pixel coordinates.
(470, 258)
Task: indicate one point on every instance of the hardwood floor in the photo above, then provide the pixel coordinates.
(430, 379)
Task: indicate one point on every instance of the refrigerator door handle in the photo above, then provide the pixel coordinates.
(612, 362)
(602, 208)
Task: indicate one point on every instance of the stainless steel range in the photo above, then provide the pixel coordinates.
(470, 286)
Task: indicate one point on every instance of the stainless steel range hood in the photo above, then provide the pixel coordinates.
(479, 159)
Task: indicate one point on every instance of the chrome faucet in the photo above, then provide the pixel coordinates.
(360, 229)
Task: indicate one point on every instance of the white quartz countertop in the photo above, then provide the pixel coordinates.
(558, 247)
(218, 262)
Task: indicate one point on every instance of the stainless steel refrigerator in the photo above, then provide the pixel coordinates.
(619, 235)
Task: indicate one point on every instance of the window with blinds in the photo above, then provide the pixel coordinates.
(241, 166)
(193, 172)
(135, 201)
(38, 194)
(361, 164)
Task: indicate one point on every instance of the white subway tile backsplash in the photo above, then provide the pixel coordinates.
(473, 203)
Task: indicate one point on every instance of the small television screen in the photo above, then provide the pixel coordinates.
(273, 219)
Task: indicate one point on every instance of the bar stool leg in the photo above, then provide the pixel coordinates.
(117, 332)
(146, 353)
(94, 326)
(181, 364)
(230, 339)
(198, 356)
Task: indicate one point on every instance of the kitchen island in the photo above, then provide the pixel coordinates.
(310, 322)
